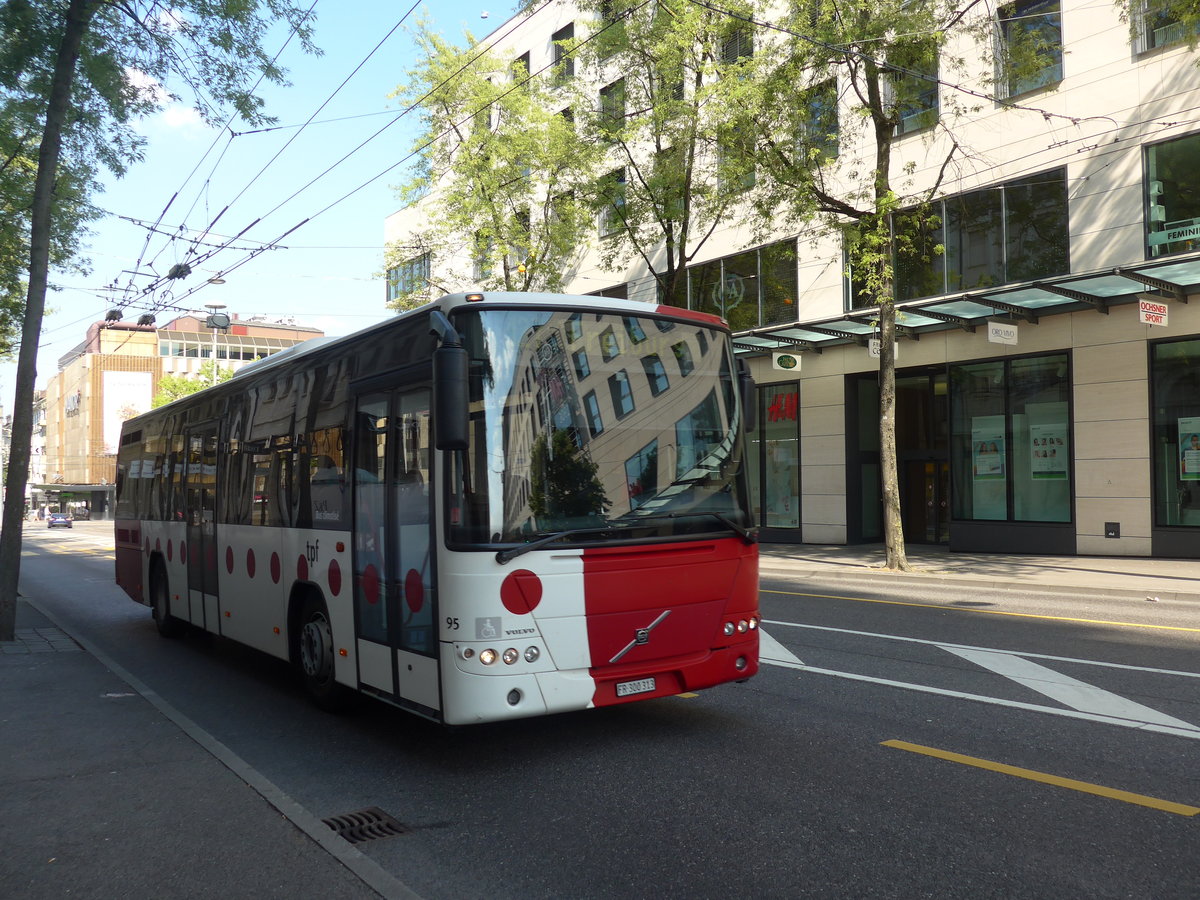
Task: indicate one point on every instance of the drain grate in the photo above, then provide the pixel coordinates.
(365, 825)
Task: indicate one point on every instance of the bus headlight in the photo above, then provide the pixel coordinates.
(532, 654)
(510, 656)
(743, 626)
(488, 656)
(729, 629)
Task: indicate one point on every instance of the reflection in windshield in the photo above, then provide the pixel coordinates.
(578, 418)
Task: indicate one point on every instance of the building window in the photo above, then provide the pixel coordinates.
(914, 87)
(564, 62)
(737, 45)
(621, 393)
(819, 127)
(612, 194)
(1010, 454)
(1175, 383)
(610, 348)
(1030, 33)
(754, 288)
(1158, 26)
(656, 374)
(1173, 196)
(612, 109)
(574, 327)
(1016, 231)
(633, 328)
(591, 408)
(580, 360)
(683, 356)
(410, 277)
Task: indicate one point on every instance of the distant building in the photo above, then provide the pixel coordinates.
(111, 376)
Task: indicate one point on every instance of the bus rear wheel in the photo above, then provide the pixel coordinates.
(316, 658)
(160, 602)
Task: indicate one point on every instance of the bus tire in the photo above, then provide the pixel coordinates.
(160, 603)
(315, 657)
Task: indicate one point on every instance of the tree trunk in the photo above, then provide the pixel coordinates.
(893, 528)
(78, 17)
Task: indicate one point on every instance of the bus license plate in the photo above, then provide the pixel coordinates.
(629, 688)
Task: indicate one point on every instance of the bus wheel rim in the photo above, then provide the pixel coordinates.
(316, 647)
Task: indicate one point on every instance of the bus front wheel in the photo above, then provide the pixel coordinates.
(316, 658)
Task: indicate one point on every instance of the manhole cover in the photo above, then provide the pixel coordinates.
(365, 825)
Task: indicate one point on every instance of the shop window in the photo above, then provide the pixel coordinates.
(775, 455)
(1173, 196)
(1175, 375)
(1011, 440)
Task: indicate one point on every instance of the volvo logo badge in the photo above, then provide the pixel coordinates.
(641, 635)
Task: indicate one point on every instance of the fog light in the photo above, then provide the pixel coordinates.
(743, 626)
(531, 654)
(488, 656)
(514, 697)
(728, 629)
(510, 656)
(740, 664)
(753, 622)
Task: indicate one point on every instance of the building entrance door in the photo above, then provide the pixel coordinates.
(922, 454)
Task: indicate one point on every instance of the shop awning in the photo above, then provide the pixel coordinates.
(1173, 280)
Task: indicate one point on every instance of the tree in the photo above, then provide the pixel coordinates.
(862, 75)
(172, 387)
(565, 489)
(89, 68)
(677, 164)
(507, 166)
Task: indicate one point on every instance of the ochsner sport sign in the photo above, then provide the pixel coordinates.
(1151, 312)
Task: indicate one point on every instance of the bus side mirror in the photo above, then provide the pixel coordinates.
(749, 399)
(450, 397)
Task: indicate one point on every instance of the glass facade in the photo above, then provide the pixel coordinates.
(1175, 380)
(1011, 440)
(749, 289)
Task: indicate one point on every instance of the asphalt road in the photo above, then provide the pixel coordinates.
(918, 744)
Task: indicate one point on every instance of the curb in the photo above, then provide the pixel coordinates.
(995, 583)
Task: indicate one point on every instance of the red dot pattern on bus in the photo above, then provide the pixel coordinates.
(251, 563)
(302, 568)
(229, 560)
(414, 590)
(521, 592)
(370, 584)
(335, 577)
(276, 568)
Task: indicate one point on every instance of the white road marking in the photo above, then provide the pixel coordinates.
(1089, 703)
(773, 652)
(1066, 690)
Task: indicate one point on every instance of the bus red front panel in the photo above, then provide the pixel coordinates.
(656, 617)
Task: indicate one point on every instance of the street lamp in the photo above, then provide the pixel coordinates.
(217, 321)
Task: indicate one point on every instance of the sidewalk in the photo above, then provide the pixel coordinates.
(1110, 576)
(103, 795)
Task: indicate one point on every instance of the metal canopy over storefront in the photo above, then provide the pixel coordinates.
(1098, 291)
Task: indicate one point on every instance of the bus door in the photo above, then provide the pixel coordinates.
(200, 491)
(393, 574)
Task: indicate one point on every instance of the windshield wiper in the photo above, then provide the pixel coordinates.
(744, 533)
(503, 556)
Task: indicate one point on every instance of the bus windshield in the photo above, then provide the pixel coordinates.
(602, 425)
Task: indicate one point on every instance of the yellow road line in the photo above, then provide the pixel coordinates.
(987, 612)
(1179, 809)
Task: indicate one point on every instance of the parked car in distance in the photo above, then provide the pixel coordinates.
(58, 520)
(81, 514)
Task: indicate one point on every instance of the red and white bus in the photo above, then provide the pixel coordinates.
(495, 506)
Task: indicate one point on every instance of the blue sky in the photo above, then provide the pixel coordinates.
(328, 275)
